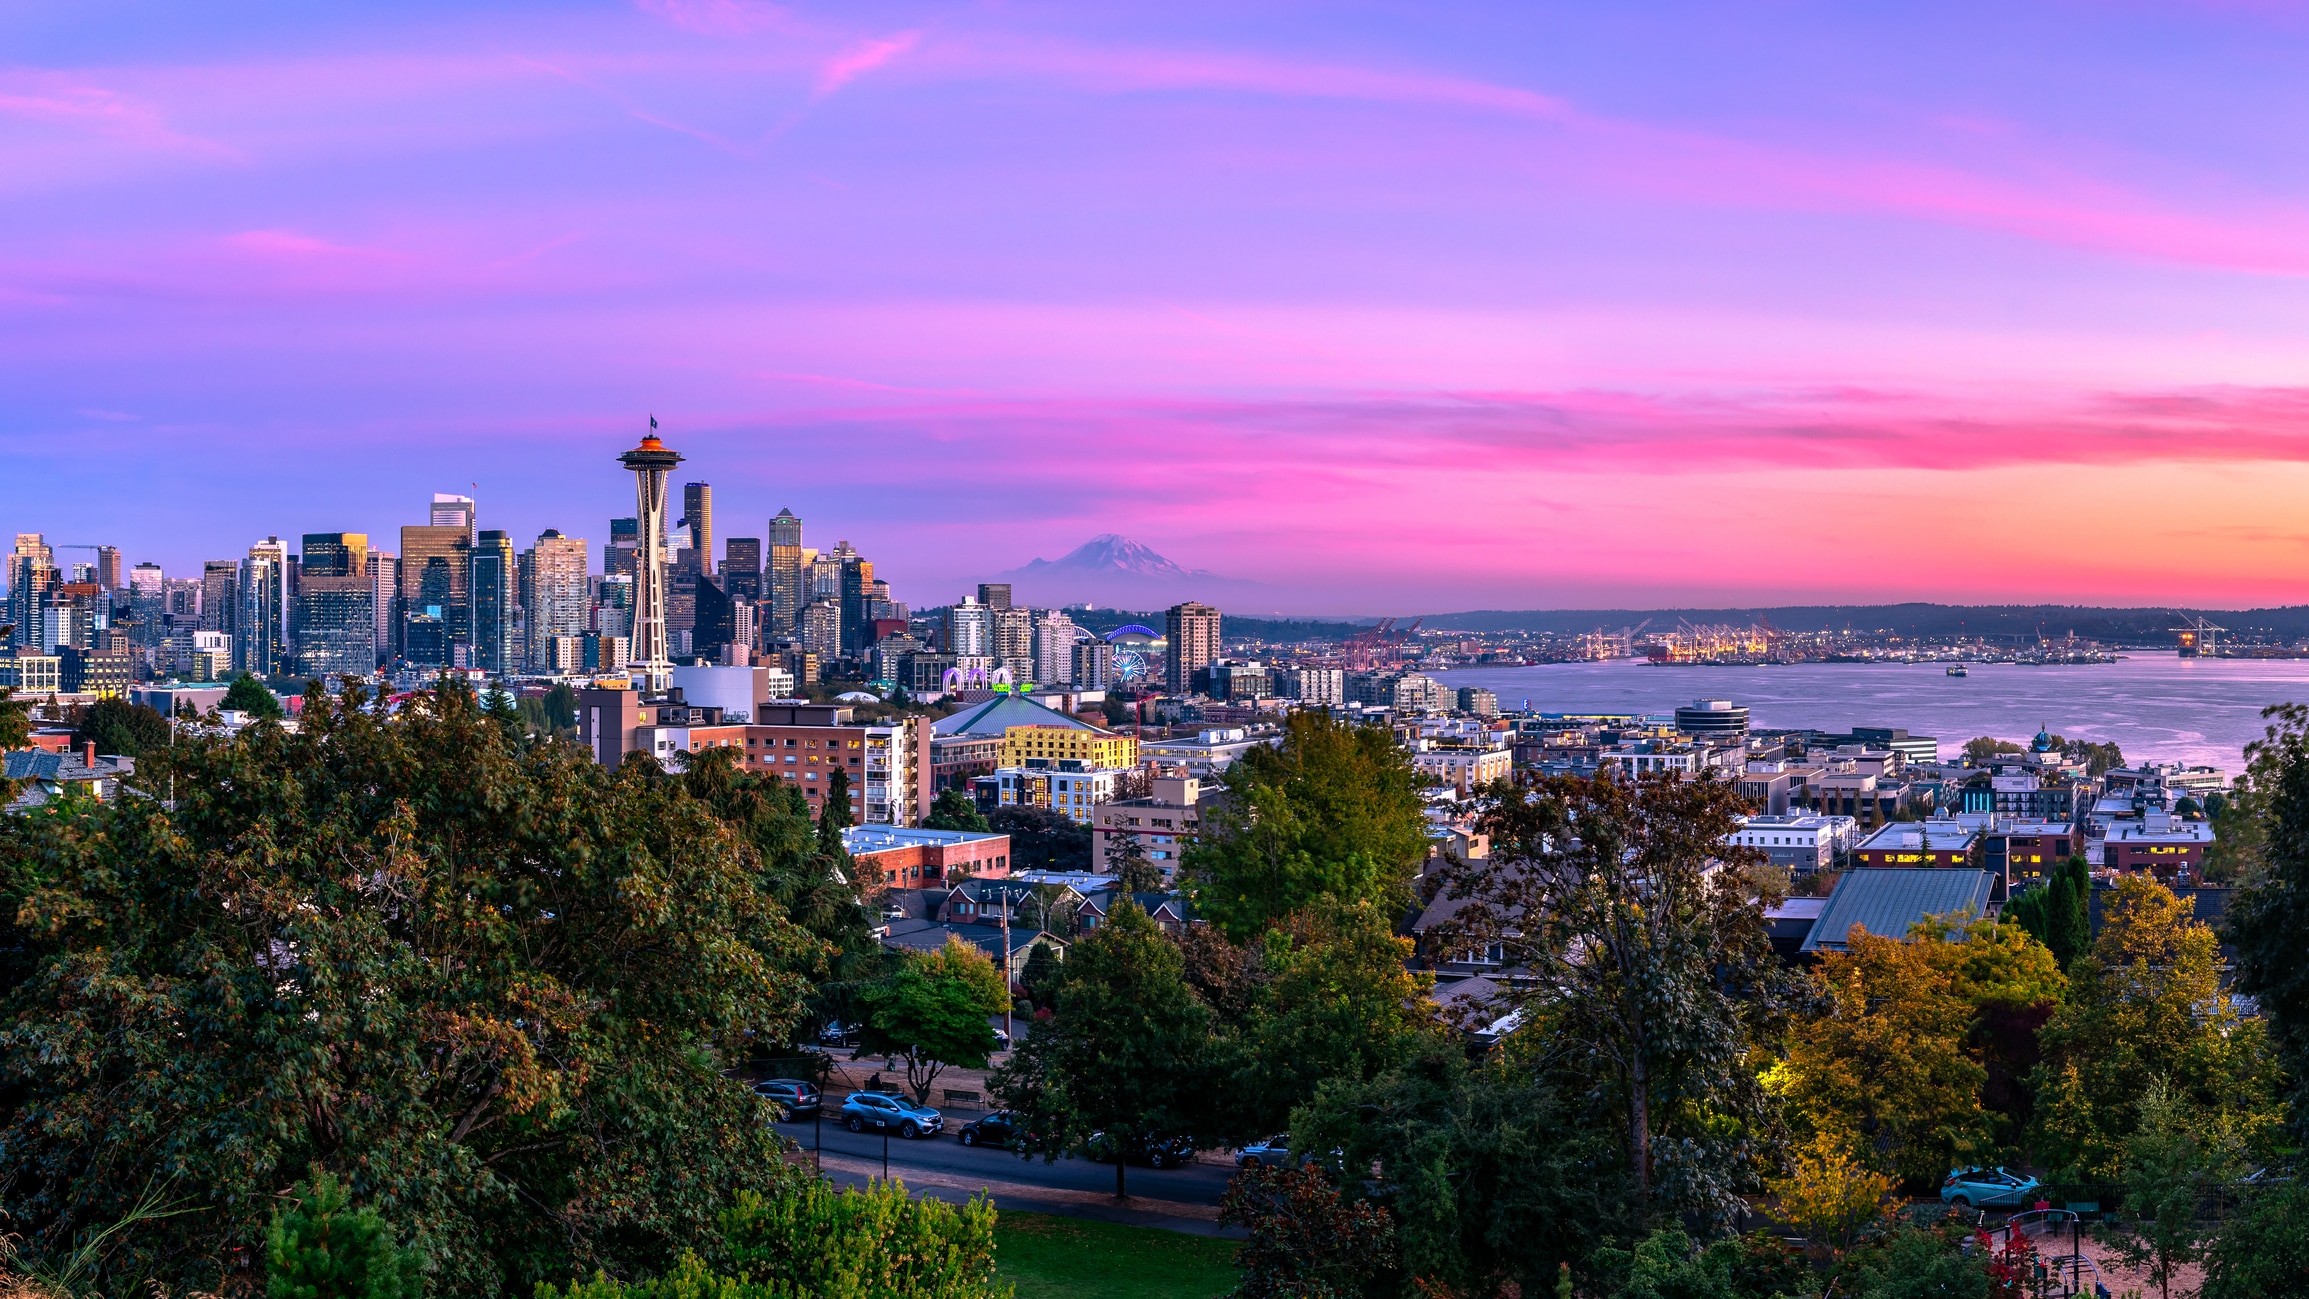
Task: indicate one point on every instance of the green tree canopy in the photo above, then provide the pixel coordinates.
(1133, 869)
(320, 1247)
(1333, 810)
(2269, 918)
(117, 726)
(247, 694)
(2054, 912)
(1042, 840)
(955, 810)
(15, 720)
(1126, 1051)
(1645, 966)
(494, 987)
(2145, 1007)
(933, 1010)
(1980, 749)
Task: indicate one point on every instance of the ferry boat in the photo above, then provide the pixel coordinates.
(1958, 670)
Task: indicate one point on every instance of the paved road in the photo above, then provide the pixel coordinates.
(1179, 1198)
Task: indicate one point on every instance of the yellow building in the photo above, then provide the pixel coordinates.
(1093, 748)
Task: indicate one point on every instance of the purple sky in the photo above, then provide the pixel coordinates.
(1397, 308)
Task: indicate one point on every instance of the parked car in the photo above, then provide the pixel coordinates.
(792, 1096)
(893, 911)
(999, 1129)
(1988, 1188)
(1153, 1151)
(1274, 1152)
(839, 1034)
(890, 1112)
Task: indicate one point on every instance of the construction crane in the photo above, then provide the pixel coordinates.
(2198, 635)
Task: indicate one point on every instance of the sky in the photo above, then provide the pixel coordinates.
(1391, 307)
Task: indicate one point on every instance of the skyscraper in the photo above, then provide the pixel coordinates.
(1053, 649)
(434, 567)
(650, 463)
(1014, 641)
(453, 512)
(31, 572)
(822, 629)
(384, 597)
(557, 599)
(970, 630)
(624, 543)
(1193, 630)
(784, 577)
(264, 589)
(742, 568)
(494, 592)
(994, 595)
(108, 568)
(220, 584)
(857, 590)
(336, 607)
(697, 515)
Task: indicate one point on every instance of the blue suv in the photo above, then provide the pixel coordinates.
(890, 1112)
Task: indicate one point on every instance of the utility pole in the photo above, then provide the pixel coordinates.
(1007, 1000)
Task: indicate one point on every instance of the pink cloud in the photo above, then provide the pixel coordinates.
(862, 58)
(55, 99)
(719, 17)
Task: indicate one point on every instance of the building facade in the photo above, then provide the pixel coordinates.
(336, 613)
(1193, 633)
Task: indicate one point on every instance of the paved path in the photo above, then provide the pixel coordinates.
(1180, 1199)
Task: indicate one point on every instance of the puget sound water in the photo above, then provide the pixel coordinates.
(2158, 707)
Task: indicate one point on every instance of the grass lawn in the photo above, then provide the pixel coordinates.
(1048, 1257)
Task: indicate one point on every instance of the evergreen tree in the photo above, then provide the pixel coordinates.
(1042, 975)
(322, 1248)
(15, 720)
(834, 814)
(117, 726)
(1134, 871)
(248, 695)
(2055, 912)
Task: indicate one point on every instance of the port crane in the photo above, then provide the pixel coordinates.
(2198, 635)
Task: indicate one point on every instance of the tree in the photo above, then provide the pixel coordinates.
(493, 986)
(1306, 1242)
(2263, 1250)
(248, 695)
(117, 726)
(834, 814)
(2170, 1170)
(1119, 711)
(2055, 911)
(1042, 975)
(1654, 976)
(1828, 1195)
(955, 810)
(1883, 1072)
(1923, 1263)
(1489, 1171)
(1334, 810)
(2270, 912)
(2011, 984)
(1124, 1052)
(1134, 871)
(15, 720)
(322, 1248)
(1041, 839)
(560, 705)
(1980, 750)
(2145, 1005)
(1336, 1001)
(933, 1012)
(876, 1242)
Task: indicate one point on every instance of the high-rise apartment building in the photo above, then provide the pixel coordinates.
(147, 579)
(557, 598)
(1014, 641)
(453, 512)
(970, 630)
(336, 607)
(822, 629)
(494, 593)
(31, 572)
(783, 577)
(697, 515)
(1193, 631)
(1053, 649)
(994, 595)
(1093, 665)
(857, 598)
(742, 568)
(264, 591)
(108, 568)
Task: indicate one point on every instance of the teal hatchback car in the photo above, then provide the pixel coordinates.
(1989, 1188)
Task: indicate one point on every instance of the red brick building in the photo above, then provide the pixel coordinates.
(909, 857)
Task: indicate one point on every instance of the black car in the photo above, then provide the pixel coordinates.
(999, 1129)
(793, 1097)
(1153, 1151)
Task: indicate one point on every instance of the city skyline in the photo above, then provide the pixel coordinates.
(1387, 311)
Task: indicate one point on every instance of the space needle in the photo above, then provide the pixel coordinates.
(650, 463)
